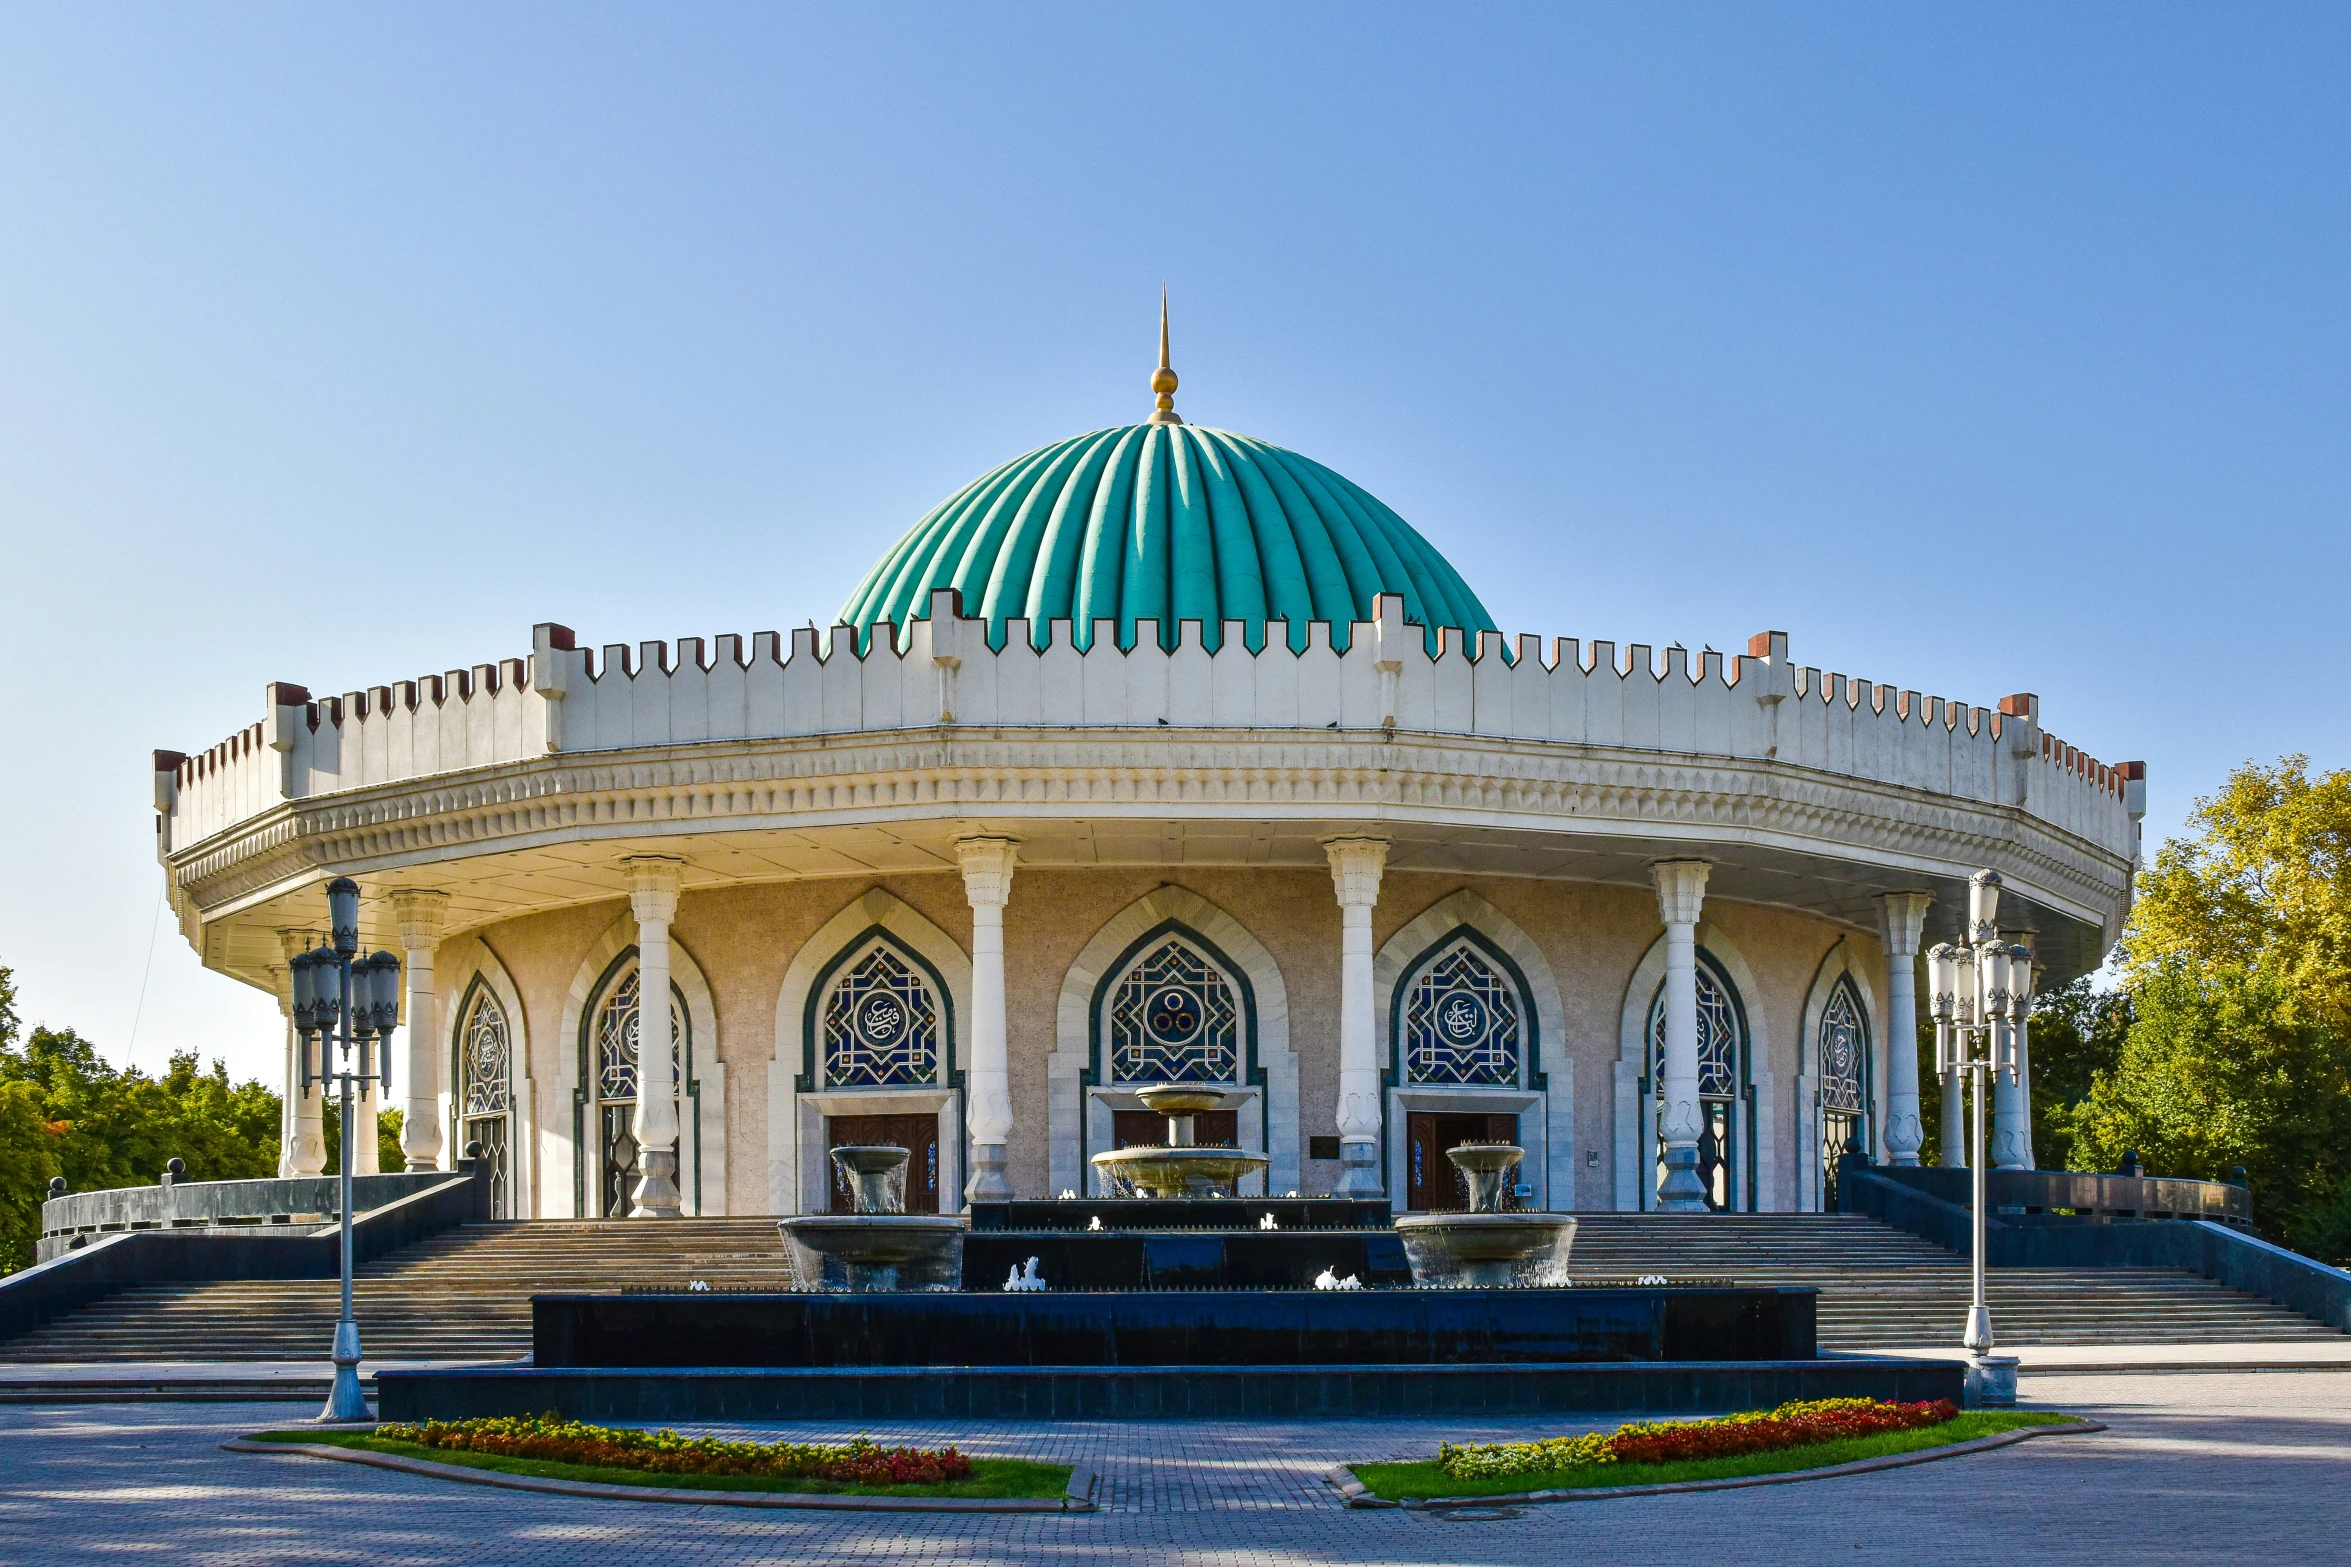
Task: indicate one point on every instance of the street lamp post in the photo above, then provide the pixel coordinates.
(1982, 992)
(345, 1008)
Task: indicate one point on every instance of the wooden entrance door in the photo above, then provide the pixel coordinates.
(917, 1134)
(1148, 1128)
(1431, 1184)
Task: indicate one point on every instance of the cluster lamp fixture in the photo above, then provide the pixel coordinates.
(1981, 992)
(345, 1008)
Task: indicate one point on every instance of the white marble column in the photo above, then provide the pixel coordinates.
(1681, 892)
(303, 1148)
(1356, 867)
(2024, 1063)
(1905, 917)
(420, 913)
(653, 896)
(2011, 1139)
(987, 884)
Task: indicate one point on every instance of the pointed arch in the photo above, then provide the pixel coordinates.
(799, 1098)
(1080, 1097)
(473, 966)
(1546, 1076)
(1759, 1186)
(566, 1149)
(1844, 968)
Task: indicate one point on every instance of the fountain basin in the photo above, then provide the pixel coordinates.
(1450, 1250)
(880, 1246)
(1486, 1246)
(1181, 1171)
(877, 1251)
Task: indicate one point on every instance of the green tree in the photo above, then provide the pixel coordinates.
(2237, 962)
(2078, 1031)
(389, 1159)
(64, 1111)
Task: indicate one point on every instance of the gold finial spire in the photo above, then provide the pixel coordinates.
(1163, 379)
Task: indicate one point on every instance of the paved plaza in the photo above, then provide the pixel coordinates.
(2203, 1468)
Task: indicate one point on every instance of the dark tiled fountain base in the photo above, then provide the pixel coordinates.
(1182, 1308)
(1145, 1354)
(1154, 1392)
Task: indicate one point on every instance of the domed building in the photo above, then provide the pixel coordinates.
(1159, 754)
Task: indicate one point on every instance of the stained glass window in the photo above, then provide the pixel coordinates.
(881, 1024)
(616, 1041)
(1719, 1049)
(1462, 1022)
(1844, 1044)
(616, 1076)
(1718, 1039)
(1173, 1018)
(482, 1058)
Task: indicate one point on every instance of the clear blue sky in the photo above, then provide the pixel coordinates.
(1983, 349)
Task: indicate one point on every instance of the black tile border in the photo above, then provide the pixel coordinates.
(1153, 1392)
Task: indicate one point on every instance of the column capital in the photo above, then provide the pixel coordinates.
(1906, 914)
(987, 869)
(1356, 867)
(1681, 889)
(420, 913)
(293, 943)
(653, 886)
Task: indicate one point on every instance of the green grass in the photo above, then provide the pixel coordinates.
(1394, 1482)
(990, 1477)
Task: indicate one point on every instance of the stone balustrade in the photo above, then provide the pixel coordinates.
(950, 670)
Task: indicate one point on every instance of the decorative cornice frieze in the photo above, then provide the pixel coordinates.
(1190, 774)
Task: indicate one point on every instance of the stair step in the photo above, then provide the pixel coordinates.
(465, 1294)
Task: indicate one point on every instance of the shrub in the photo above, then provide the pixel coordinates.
(551, 1438)
(1803, 1423)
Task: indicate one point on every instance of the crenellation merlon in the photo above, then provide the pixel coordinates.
(947, 669)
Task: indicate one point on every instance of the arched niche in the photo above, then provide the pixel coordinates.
(799, 1099)
(566, 1148)
(1758, 1187)
(1081, 1100)
(1543, 1097)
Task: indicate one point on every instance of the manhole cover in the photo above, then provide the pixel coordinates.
(1476, 1514)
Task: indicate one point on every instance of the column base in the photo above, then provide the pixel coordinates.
(1991, 1382)
(1359, 1169)
(1681, 1191)
(423, 1166)
(656, 1195)
(1908, 1158)
(988, 1181)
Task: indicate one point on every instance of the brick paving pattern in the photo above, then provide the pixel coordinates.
(2221, 1468)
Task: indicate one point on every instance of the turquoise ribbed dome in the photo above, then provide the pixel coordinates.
(1165, 522)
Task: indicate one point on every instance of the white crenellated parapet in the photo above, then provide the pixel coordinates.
(1392, 674)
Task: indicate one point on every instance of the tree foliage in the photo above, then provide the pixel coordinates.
(2237, 967)
(64, 1111)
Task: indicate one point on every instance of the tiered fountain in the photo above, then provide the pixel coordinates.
(878, 1245)
(1487, 1246)
(1184, 1301)
(1182, 1168)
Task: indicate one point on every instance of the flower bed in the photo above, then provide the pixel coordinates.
(553, 1439)
(1806, 1423)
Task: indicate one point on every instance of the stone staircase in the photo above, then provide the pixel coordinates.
(466, 1295)
(1884, 1288)
(462, 1295)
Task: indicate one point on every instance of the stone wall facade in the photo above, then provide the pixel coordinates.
(736, 947)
